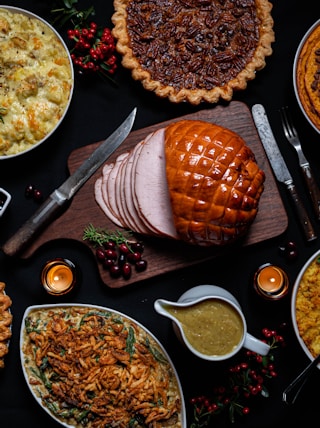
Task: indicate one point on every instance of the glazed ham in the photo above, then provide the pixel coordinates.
(193, 181)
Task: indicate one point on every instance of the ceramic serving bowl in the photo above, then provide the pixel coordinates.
(305, 306)
(101, 365)
(305, 67)
(36, 84)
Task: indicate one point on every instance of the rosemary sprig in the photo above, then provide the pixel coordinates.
(68, 12)
(99, 236)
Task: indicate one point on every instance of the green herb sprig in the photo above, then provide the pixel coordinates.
(99, 236)
(65, 11)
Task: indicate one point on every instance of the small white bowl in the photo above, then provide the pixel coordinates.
(293, 304)
(17, 10)
(5, 199)
(295, 67)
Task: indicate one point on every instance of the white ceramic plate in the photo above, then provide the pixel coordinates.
(293, 304)
(34, 16)
(295, 65)
(24, 359)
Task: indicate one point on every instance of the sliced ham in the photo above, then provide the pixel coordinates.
(193, 181)
(111, 187)
(150, 179)
(135, 220)
(102, 197)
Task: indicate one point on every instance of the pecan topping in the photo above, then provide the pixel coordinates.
(194, 44)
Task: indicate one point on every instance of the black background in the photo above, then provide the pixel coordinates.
(95, 110)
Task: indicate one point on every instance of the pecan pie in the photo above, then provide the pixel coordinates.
(308, 76)
(193, 50)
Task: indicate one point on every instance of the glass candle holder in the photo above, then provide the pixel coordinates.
(271, 282)
(58, 276)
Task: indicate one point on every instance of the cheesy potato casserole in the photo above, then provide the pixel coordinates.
(36, 81)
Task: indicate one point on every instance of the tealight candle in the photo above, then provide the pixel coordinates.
(271, 282)
(58, 276)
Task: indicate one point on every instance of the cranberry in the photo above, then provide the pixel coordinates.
(115, 271)
(126, 270)
(110, 245)
(107, 263)
(289, 250)
(37, 195)
(137, 246)
(122, 260)
(141, 265)
(123, 248)
(29, 191)
(100, 254)
(110, 254)
(134, 257)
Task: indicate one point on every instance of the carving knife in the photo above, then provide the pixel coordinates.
(280, 168)
(59, 197)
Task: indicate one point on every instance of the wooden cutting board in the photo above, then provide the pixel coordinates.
(161, 254)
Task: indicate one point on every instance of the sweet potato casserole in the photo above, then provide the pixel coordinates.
(307, 76)
(96, 368)
(35, 81)
(308, 307)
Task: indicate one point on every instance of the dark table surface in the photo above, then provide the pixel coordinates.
(95, 110)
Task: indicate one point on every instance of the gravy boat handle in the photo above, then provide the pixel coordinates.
(255, 345)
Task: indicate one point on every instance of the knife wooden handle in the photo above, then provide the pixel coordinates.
(302, 214)
(45, 213)
(313, 188)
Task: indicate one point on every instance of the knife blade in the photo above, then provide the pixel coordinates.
(60, 196)
(280, 168)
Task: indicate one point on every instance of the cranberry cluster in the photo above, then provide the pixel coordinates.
(247, 379)
(289, 251)
(32, 192)
(93, 50)
(119, 259)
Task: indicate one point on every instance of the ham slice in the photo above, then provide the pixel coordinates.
(102, 197)
(149, 178)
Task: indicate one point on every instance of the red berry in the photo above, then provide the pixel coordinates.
(134, 257)
(37, 195)
(126, 270)
(110, 244)
(100, 254)
(29, 191)
(137, 246)
(107, 263)
(110, 254)
(123, 248)
(115, 271)
(141, 265)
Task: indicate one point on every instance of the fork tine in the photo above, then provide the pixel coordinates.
(284, 122)
(287, 123)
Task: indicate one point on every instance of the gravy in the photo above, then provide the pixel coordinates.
(212, 327)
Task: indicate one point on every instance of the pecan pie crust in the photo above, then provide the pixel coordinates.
(193, 50)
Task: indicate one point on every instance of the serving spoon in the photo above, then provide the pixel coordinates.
(292, 391)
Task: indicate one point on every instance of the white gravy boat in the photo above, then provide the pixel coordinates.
(221, 297)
